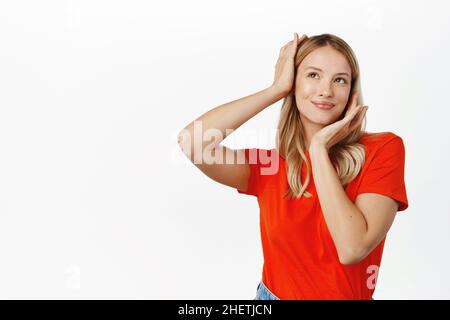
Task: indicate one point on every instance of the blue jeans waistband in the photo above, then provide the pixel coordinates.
(262, 293)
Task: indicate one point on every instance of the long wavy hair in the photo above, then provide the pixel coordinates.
(347, 156)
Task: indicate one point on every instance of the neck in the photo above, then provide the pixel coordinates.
(310, 129)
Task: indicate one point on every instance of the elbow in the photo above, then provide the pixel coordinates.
(352, 256)
(349, 260)
(184, 141)
(181, 138)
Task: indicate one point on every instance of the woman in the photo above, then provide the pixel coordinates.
(329, 192)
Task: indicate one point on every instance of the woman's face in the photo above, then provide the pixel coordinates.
(324, 75)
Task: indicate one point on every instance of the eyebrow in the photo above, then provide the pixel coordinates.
(337, 74)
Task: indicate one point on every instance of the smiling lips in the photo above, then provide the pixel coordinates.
(323, 105)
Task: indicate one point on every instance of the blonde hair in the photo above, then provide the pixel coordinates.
(347, 156)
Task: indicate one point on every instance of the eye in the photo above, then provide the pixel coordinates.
(344, 81)
(315, 73)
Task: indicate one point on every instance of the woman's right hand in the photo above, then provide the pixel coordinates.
(284, 69)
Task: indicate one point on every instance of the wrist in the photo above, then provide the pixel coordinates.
(277, 91)
(317, 148)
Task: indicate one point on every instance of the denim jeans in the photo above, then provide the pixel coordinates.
(262, 293)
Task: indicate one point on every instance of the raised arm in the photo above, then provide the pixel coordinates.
(217, 123)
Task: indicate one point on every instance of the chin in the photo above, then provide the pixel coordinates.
(324, 122)
(323, 119)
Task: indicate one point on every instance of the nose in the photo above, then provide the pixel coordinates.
(325, 90)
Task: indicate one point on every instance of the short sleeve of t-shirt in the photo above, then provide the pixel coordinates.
(257, 159)
(385, 173)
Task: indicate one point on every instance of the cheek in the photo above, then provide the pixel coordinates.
(342, 97)
(305, 89)
(342, 94)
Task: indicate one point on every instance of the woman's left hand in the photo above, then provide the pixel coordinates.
(335, 132)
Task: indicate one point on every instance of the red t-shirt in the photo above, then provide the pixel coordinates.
(300, 258)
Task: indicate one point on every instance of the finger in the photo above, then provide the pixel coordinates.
(363, 112)
(358, 110)
(302, 38)
(360, 117)
(352, 114)
(293, 43)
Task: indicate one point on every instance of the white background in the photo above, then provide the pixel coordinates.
(97, 200)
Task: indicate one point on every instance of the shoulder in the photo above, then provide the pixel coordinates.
(377, 140)
(384, 146)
